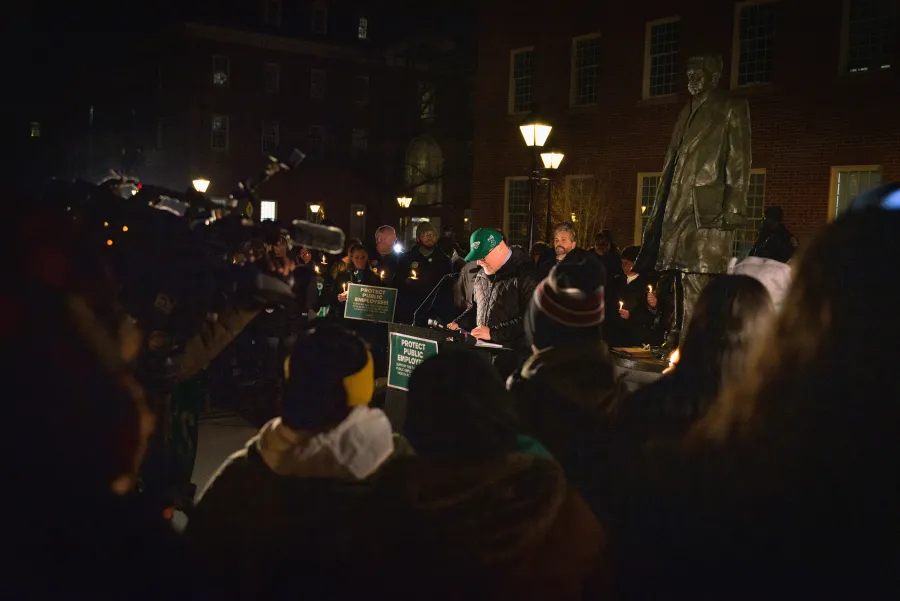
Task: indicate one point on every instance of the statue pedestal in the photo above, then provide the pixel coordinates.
(637, 371)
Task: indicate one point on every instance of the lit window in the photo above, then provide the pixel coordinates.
(585, 69)
(219, 129)
(317, 84)
(754, 43)
(269, 136)
(35, 129)
(518, 198)
(869, 34)
(648, 184)
(745, 236)
(316, 141)
(268, 210)
(467, 221)
(520, 84)
(357, 221)
(271, 77)
(661, 57)
(849, 182)
(320, 17)
(363, 29)
(426, 101)
(221, 70)
(360, 142)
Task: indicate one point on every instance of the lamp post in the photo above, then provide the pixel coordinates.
(201, 185)
(551, 161)
(404, 201)
(314, 209)
(535, 132)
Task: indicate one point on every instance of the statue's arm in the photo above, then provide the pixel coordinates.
(737, 164)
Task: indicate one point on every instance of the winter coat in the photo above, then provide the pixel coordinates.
(500, 301)
(412, 292)
(777, 243)
(507, 529)
(562, 396)
(284, 511)
(366, 277)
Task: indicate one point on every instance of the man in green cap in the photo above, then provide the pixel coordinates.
(503, 288)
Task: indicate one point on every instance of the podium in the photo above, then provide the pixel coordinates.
(419, 338)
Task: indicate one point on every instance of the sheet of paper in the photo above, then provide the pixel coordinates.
(488, 344)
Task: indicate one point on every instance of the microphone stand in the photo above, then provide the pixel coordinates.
(429, 300)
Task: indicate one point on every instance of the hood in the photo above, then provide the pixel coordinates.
(772, 274)
(353, 450)
(586, 377)
(493, 511)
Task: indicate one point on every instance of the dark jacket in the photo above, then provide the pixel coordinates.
(356, 276)
(412, 292)
(500, 301)
(639, 328)
(389, 264)
(778, 244)
(509, 529)
(562, 396)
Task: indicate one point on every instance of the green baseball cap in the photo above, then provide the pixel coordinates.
(483, 241)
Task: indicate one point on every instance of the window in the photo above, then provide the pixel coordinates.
(745, 237)
(867, 35)
(269, 136)
(847, 183)
(35, 129)
(515, 213)
(362, 30)
(585, 69)
(271, 78)
(360, 142)
(754, 36)
(424, 165)
(317, 84)
(520, 84)
(272, 13)
(647, 185)
(268, 210)
(467, 221)
(320, 17)
(221, 70)
(219, 132)
(361, 90)
(426, 101)
(316, 141)
(357, 222)
(160, 128)
(663, 41)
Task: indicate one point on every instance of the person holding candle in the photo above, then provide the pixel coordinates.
(634, 295)
(358, 273)
(421, 269)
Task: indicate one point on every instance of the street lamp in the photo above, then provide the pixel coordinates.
(535, 132)
(404, 201)
(314, 209)
(201, 185)
(551, 160)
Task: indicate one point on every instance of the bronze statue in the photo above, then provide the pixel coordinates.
(701, 196)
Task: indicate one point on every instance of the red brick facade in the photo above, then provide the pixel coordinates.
(809, 119)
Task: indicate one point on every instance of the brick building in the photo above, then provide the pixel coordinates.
(373, 109)
(820, 77)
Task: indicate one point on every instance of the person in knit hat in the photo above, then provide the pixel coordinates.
(563, 391)
(289, 504)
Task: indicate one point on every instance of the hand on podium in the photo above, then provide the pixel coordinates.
(482, 333)
(453, 326)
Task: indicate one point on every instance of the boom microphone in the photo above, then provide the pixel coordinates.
(318, 237)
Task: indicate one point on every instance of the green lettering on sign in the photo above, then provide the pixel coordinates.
(370, 303)
(406, 353)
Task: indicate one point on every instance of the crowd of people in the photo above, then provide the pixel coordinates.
(764, 464)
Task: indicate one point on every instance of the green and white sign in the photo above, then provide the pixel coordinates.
(407, 352)
(370, 303)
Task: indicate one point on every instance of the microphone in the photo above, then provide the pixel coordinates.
(462, 335)
(318, 237)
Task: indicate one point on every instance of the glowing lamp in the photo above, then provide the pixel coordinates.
(404, 201)
(201, 185)
(552, 159)
(535, 132)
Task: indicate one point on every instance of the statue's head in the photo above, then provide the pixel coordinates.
(703, 73)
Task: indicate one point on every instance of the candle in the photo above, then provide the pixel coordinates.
(317, 269)
(345, 286)
(382, 274)
(324, 262)
(412, 275)
(621, 305)
(649, 289)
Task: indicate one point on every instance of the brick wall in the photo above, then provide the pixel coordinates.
(808, 120)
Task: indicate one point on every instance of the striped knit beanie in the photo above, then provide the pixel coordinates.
(568, 303)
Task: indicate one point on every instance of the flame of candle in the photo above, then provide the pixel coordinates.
(382, 274)
(621, 305)
(413, 274)
(649, 289)
(345, 286)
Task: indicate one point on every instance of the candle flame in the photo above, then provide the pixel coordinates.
(621, 305)
(382, 274)
(412, 274)
(649, 289)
